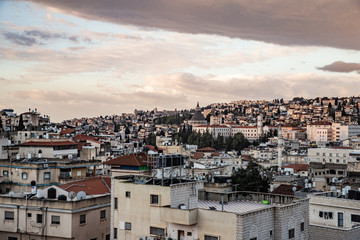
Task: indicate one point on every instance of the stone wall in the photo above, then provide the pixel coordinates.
(317, 232)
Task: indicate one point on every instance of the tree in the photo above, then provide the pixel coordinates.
(251, 179)
(21, 124)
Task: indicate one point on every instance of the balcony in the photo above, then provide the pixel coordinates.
(179, 216)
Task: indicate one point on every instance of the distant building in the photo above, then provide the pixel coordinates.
(197, 118)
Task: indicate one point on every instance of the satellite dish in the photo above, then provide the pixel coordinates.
(294, 189)
(39, 193)
(71, 195)
(11, 194)
(81, 195)
(70, 156)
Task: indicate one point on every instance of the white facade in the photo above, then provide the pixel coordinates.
(341, 155)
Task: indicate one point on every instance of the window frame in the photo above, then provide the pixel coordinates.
(102, 214)
(116, 203)
(115, 233)
(7, 173)
(53, 221)
(47, 174)
(340, 219)
(210, 237)
(24, 174)
(7, 217)
(128, 226)
(291, 233)
(82, 221)
(152, 199)
(127, 194)
(156, 230)
(39, 219)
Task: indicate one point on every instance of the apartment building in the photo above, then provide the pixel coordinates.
(148, 208)
(334, 216)
(16, 175)
(343, 131)
(54, 216)
(48, 148)
(320, 131)
(323, 175)
(343, 155)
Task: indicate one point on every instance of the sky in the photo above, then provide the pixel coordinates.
(89, 58)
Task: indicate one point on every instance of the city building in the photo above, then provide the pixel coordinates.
(147, 208)
(334, 216)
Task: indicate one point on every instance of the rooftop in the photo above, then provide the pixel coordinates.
(237, 207)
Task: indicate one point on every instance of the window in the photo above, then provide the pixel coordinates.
(83, 219)
(29, 215)
(157, 231)
(302, 226)
(291, 233)
(47, 175)
(127, 226)
(38, 218)
(189, 234)
(5, 173)
(55, 220)
(115, 203)
(253, 238)
(321, 214)
(355, 218)
(154, 199)
(78, 173)
(207, 237)
(115, 233)
(127, 194)
(12, 238)
(9, 215)
(102, 214)
(24, 175)
(271, 232)
(340, 219)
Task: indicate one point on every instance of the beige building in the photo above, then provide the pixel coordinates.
(48, 148)
(145, 208)
(17, 174)
(320, 131)
(334, 217)
(31, 217)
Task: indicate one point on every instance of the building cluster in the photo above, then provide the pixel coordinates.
(167, 174)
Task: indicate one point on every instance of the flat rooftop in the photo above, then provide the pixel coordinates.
(238, 207)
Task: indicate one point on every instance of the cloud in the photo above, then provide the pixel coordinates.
(20, 39)
(34, 37)
(49, 35)
(310, 22)
(342, 67)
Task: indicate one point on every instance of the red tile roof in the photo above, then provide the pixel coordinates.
(48, 144)
(298, 167)
(284, 189)
(206, 149)
(197, 155)
(137, 160)
(245, 127)
(67, 131)
(83, 137)
(320, 123)
(91, 186)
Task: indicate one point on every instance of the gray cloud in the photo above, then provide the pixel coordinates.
(341, 66)
(309, 22)
(20, 39)
(34, 37)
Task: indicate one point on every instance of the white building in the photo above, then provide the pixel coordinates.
(320, 131)
(334, 217)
